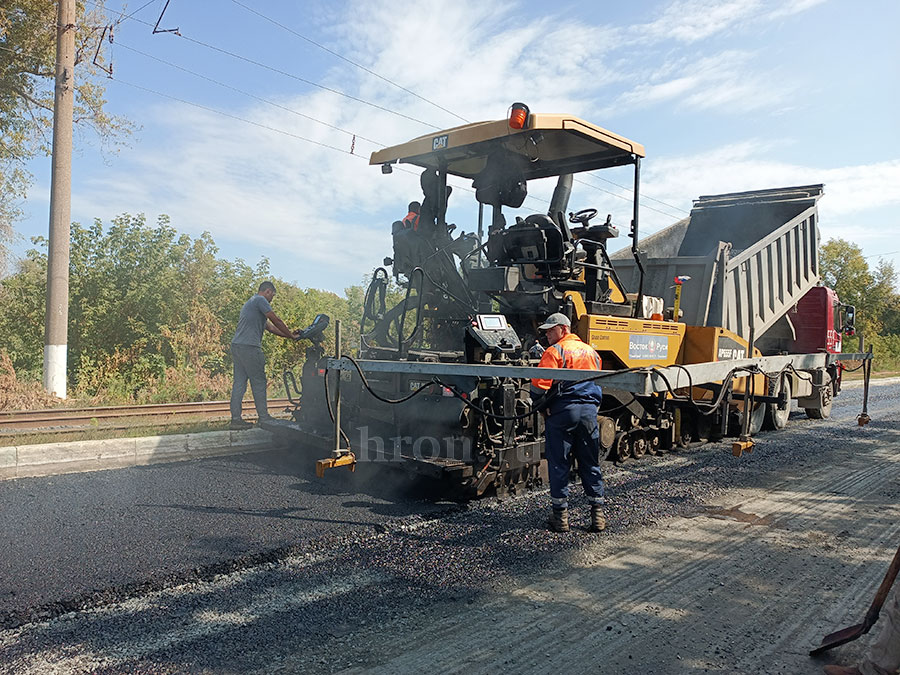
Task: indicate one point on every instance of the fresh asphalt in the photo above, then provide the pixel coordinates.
(77, 540)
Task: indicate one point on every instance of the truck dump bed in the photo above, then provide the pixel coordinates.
(750, 255)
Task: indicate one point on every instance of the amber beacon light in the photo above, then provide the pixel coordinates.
(518, 116)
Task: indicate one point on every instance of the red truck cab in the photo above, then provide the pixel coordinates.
(817, 322)
(820, 320)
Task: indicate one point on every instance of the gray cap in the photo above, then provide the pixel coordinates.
(556, 319)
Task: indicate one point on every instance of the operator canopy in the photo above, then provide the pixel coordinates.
(545, 145)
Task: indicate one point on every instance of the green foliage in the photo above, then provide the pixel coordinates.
(873, 292)
(152, 312)
(27, 78)
(886, 349)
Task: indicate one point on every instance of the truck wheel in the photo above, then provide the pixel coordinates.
(775, 418)
(757, 416)
(824, 411)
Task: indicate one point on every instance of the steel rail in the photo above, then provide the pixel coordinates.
(108, 415)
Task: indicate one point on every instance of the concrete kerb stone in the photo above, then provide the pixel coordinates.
(47, 459)
(8, 462)
(153, 449)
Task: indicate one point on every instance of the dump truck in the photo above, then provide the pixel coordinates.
(697, 326)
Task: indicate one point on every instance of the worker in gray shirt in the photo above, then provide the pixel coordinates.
(247, 353)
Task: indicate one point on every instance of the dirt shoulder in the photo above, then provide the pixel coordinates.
(748, 585)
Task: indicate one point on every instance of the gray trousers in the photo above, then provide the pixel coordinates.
(249, 364)
(884, 652)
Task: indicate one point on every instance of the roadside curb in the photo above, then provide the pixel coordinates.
(48, 459)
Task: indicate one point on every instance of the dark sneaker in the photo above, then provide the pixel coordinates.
(237, 425)
(267, 418)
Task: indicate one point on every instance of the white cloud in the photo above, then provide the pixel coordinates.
(692, 20)
(854, 197)
(791, 7)
(725, 81)
(329, 213)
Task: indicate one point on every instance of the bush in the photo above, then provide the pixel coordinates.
(887, 352)
(18, 394)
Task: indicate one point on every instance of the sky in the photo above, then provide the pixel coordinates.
(256, 121)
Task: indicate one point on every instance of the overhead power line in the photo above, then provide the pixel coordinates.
(627, 199)
(247, 93)
(317, 85)
(351, 62)
(270, 128)
(232, 116)
(142, 7)
(628, 189)
(275, 70)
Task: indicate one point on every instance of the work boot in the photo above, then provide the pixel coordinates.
(842, 670)
(559, 520)
(238, 424)
(598, 520)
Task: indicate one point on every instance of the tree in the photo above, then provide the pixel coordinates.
(873, 293)
(152, 313)
(27, 78)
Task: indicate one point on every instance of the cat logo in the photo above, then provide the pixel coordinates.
(440, 142)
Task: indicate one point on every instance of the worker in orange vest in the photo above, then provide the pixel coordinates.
(411, 221)
(570, 422)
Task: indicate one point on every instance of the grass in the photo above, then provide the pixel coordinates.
(104, 433)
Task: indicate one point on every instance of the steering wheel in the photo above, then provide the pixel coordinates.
(582, 216)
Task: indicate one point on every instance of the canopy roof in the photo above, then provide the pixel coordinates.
(550, 145)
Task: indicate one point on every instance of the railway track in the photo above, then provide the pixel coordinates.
(64, 420)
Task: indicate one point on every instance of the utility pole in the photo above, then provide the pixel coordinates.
(56, 319)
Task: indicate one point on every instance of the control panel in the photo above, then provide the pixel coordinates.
(494, 334)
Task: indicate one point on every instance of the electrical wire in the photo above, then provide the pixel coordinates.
(247, 93)
(628, 189)
(206, 45)
(234, 117)
(130, 16)
(273, 69)
(353, 63)
(627, 199)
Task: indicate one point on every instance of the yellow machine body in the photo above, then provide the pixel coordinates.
(624, 342)
(703, 344)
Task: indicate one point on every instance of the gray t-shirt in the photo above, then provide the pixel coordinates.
(252, 322)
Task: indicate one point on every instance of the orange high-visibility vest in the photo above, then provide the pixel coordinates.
(569, 352)
(411, 220)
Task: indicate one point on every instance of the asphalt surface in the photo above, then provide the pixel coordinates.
(74, 540)
(250, 563)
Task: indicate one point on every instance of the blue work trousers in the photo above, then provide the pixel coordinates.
(572, 430)
(249, 364)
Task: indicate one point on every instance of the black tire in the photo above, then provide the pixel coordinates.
(757, 417)
(824, 411)
(778, 419)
